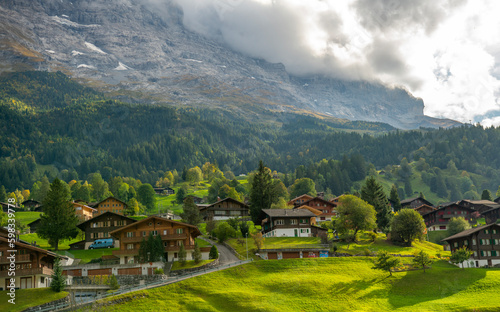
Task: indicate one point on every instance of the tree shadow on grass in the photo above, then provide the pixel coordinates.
(437, 283)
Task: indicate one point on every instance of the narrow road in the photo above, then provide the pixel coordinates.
(225, 255)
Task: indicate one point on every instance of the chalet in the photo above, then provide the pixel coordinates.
(492, 215)
(110, 204)
(33, 265)
(224, 209)
(33, 225)
(6, 206)
(173, 235)
(31, 204)
(438, 219)
(164, 190)
(300, 200)
(479, 205)
(101, 225)
(290, 223)
(415, 202)
(424, 209)
(317, 212)
(168, 215)
(83, 212)
(197, 200)
(484, 241)
(328, 209)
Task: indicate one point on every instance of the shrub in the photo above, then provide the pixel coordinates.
(158, 271)
(214, 253)
(113, 282)
(373, 236)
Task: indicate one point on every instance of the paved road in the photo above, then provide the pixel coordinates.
(225, 255)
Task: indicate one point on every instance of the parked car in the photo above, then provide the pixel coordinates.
(102, 243)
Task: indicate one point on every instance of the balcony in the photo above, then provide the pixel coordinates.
(29, 272)
(137, 239)
(19, 259)
(177, 248)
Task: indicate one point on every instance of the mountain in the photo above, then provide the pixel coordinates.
(136, 52)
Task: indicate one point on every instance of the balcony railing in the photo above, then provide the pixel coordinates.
(125, 252)
(163, 237)
(19, 259)
(28, 272)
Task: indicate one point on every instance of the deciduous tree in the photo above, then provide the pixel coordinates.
(146, 196)
(457, 225)
(460, 255)
(303, 186)
(421, 259)
(406, 226)
(355, 214)
(385, 262)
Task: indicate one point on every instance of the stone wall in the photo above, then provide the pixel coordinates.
(193, 270)
(123, 280)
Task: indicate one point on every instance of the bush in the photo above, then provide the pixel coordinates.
(373, 236)
(158, 271)
(214, 253)
(113, 282)
(367, 252)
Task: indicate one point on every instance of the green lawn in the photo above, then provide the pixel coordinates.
(26, 298)
(329, 284)
(87, 255)
(202, 243)
(189, 264)
(26, 217)
(43, 243)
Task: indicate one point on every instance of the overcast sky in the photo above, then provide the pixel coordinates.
(445, 51)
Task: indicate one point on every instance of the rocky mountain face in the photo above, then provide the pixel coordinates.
(140, 53)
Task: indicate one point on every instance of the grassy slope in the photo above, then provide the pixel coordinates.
(43, 243)
(189, 264)
(26, 217)
(26, 298)
(332, 284)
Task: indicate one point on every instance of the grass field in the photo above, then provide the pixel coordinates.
(189, 264)
(330, 284)
(26, 217)
(43, 243)
(26, 298)
(87, 255)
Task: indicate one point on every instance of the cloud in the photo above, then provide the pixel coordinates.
(445, 51)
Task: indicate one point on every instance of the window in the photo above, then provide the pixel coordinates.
(293, 221)
(485, 231)
(303, 221)
(130, 234)
(179, 243)
(455, 244)
(279, 222)
(164, 232)
(304, 230)
(150, 223)
(143, 233)
(493, 253)
(130, 246)
(473, 242)
(494, 231)
(492, 242)
(466, 243)
(475, 253)
(155, 232)
(179, 231)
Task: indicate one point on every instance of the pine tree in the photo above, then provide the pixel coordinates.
(394, 197)
(3, 194)
(214, 253)
(191, 212)
(373, 193)
(196, 253)
(486, 195)
(143, 251)
(182, 255)
(59, 220)
(260, 193)
(58, 279)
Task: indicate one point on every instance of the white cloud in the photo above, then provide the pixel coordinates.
(445, 51)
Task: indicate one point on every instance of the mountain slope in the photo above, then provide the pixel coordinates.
(142, 54)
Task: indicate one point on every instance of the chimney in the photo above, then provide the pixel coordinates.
(321, 195)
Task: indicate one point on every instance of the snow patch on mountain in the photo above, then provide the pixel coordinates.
(92, 47)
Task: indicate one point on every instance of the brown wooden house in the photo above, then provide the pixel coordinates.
(415, 202)
(327, 208)
(224, 209)
(110, 204)
(479, 205)
(438, 219)
(290, 223)
(492, 215)
(173, 234)
(484, 241)
(102, 225)
(300, 200)
(33, 265)
(424, 209)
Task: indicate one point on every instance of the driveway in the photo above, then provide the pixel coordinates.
(225, 255)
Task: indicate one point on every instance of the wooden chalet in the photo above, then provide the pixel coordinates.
(173, 235)
(6, 206)
(479, 205)
(164, 190)
(31, 204)
(83, 212)
(424, 209)
(328, 209)
(492, 215)
(415, 202)
(110, 204)
(484, 241)
(438, 219)
(224, 209)
(101, 226)
(317, 212)
(300, 200)
(33, 265)
(33, 225)
(290, 223)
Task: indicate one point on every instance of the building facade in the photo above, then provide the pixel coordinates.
(438, 219)
(83, 212)
(110, 204)
(102, 225)
(224, 209)
(290, 223)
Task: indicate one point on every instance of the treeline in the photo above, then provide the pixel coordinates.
(51, 125)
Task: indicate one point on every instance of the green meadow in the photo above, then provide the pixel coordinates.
(329, 284)
(26, 298)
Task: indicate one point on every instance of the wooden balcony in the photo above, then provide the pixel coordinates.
(125, 252)
(19, 259)
(29, 272)
(177, 248)
(138, 239)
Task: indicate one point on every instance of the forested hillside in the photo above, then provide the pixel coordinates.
(49, 123)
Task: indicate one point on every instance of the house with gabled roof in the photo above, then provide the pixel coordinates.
(438, 219)
(415, 202)
(101, 226)
(110, 204)
(290, 223)
(479, 205)
(327, 208)
(83, 212)
(33, 265)
(224, 209)
(300, 200)
(424, 209)
(173, 234)
(483, 241)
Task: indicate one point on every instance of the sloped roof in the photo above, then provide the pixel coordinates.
(82, 227)
(321, 200)
(223, 200)
(289, 213)
(313, 210)
(110, 197)
(303, 195)
(28, 246)
(441, 208)
(468, 232)
(409, 200)
(153, 218)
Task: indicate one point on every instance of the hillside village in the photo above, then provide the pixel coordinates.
(140, 249)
